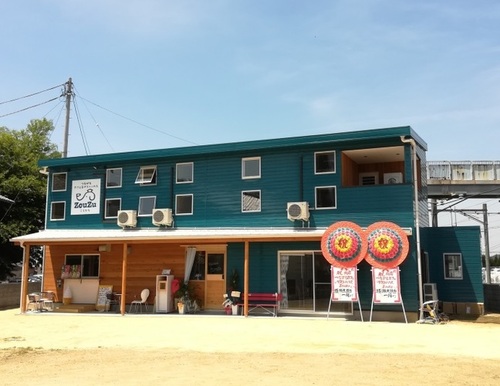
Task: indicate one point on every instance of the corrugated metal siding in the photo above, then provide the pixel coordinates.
(464, 240)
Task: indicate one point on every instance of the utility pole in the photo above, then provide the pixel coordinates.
(486, 236)
(68, 92)
(486, 245)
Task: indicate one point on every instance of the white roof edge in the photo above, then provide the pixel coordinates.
(117, 235)
(158, 234)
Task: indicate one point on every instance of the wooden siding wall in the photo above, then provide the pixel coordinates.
(381, 168)
(464, 240)
(144, 262)
(350, 171)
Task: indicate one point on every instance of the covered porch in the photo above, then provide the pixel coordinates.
(130, 260)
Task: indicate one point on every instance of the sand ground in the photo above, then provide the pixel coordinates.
(108, 349)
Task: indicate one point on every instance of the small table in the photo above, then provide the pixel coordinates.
(115, 298)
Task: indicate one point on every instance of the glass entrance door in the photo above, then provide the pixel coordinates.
(305, 283)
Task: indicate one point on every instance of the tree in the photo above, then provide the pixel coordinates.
(21, 181)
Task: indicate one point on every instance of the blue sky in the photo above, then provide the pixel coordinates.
(200, 72)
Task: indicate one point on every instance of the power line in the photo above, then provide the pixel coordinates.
(80, 125)
(138, 123)
(95, 122)
(30, 95)
(30, 107)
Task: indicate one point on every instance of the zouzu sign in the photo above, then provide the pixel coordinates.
(383, 244)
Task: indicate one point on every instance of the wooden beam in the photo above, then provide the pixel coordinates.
(245, 278)
(24, 281)
(124, 279)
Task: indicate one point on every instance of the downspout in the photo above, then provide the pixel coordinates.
(413, 144)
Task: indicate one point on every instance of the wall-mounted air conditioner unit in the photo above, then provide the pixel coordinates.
(368, 178)
(298, 211)
(430, 292)
(127, 218)
(162, 217)
(393, 178)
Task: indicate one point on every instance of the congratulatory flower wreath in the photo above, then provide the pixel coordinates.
(383, 244)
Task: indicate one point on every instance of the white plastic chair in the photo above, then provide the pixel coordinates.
(137, 304)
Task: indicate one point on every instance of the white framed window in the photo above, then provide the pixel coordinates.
(184, 173)
(57, 210)
(111, 207)
(146, 175)
(452, 266)
(250, 167)
(86, 265)
(184, 204)
(324, 162)
(326, 197)
(59, 182)
(114, 178)
(251, 201)
(146, 206)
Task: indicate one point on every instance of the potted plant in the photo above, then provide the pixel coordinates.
(182, 298)
(232, 297)
(231, 301)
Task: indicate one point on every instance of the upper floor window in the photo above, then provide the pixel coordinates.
(59, 182)
(113, 205)
(114, 178)
(326, 197)
(324, 162)
(250, 201)
(184, 204)
(57, 210)
(452, 266)
(184, 172)
(146, 206)
(146, 175)
(250, 167)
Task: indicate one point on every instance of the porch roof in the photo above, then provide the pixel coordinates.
(119, 236)
(55, 236)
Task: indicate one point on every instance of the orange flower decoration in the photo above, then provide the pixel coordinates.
(343, 244)
(388, 245)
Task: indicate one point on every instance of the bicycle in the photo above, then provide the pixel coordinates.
(430, 313)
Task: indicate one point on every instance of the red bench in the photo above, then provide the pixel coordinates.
(267, 302)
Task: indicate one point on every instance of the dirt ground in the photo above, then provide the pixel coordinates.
(108, 349)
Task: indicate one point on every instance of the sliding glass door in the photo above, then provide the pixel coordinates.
(305, 283)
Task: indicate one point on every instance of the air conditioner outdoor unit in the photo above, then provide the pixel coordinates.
(298, 211)
(162, 217)
(430, 292)
(127, 218)
(393, 178)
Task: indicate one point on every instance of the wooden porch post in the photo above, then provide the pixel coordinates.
(124, 279)
(245, 279)
(24, 280)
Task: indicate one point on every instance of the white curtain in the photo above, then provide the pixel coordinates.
(190, 254)
(283, 285)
